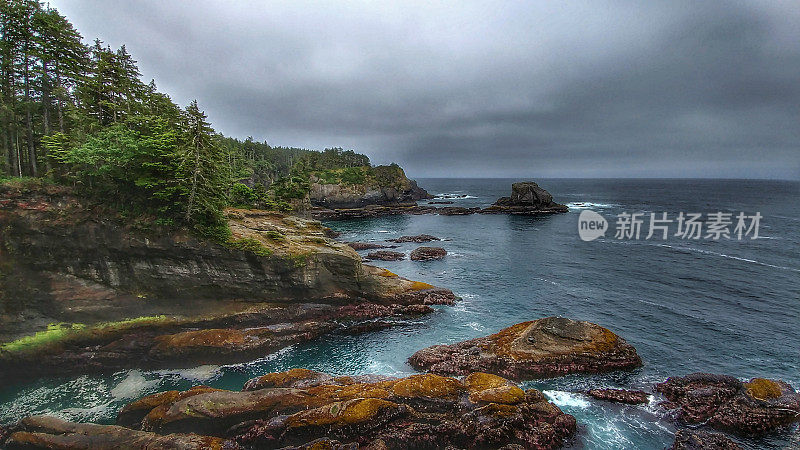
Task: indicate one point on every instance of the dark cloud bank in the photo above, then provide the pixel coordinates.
(543, 89)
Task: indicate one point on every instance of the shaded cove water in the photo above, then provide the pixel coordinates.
(725, 306)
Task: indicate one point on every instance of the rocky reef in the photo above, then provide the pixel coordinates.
(542, 348)
(82, 290)
(526, 198)
(305, 409)
(727, 404)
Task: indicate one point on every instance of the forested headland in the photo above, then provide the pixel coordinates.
(80, 115)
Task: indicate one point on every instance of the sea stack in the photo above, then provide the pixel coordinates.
(527, 197)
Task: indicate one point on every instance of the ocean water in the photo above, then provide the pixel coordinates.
(725, 306)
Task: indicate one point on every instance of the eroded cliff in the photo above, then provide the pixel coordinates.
(83, 289)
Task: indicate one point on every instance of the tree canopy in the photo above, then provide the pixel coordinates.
(81, 115)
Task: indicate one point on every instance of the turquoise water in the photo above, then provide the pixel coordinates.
(723, 306)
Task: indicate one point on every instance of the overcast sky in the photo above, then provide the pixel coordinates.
(516, 89)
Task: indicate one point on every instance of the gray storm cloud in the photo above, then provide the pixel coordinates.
(512, 89)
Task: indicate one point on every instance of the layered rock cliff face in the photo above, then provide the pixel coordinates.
(381, 185)
(102, 295)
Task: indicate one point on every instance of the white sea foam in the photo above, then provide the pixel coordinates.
(476, 326)
(200, 373)
(723, 255)
(567, 399)
(132, 386)
(589, 205)
(453, 196)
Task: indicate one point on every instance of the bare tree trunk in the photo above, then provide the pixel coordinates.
(29, 120)
(193, 192)
(58, 101)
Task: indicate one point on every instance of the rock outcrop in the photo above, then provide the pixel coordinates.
(300, 407)
(428, 253)
(543, 348)
(83, 291)
(526, 198)
(702, 440)
(386, 255)
(620, 396)
(727, 404)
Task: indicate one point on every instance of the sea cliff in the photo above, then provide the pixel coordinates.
(83, 289)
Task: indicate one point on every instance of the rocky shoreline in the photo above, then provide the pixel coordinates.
(84, 293)
(306, 409)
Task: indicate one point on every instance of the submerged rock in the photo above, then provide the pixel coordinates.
(542, 348)
(418, 239)
(727, 404)
(526, 198)
(386, 255)
(620, 396)
(306, 409)
(428, 253)
(702, 440)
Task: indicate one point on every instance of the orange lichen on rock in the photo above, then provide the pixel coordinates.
(428, 385)
(508, 395)
(420, 286)
(501, 342)
(763, 389)
(202, 338)
(287, 378)
(479, 381)
(349, 412)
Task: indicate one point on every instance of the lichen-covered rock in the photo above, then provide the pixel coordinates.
(702, 440)
(131, 415)
(44, 432)
(727, 404)
(620, 396)
(542, 348)
(428, 253)
(300, 408)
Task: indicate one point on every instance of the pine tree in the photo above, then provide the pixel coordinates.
(206, 172)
